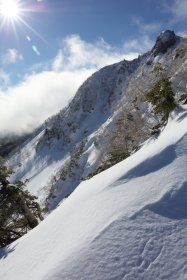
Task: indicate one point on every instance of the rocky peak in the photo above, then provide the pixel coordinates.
(165, 40)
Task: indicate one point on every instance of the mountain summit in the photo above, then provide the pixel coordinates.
(165, 40)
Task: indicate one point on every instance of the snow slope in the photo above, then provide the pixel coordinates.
(128, 222)
(76, 142)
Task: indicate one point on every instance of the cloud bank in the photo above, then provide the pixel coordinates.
(26, 105)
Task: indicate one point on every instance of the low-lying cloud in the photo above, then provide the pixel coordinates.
(26, 105)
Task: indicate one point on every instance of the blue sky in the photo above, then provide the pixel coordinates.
(57, 44)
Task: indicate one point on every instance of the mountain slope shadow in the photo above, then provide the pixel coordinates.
(158, 161)
(152, 164)
(173, 205)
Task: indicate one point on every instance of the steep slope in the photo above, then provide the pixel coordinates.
(77, 142)
(128, 222)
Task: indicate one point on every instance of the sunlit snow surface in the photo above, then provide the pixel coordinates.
(129, 222)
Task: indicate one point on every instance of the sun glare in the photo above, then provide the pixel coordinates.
(9, 9)
(13, 13)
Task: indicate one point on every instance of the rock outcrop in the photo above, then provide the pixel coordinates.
(165, 40)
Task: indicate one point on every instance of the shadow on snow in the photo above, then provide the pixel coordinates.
(5, 251)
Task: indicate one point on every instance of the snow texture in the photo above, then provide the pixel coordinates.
(129, 222)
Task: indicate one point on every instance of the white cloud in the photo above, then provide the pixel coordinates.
(58, 61)
(140, 44)
(11, 56)
(26, 105)
(179, 9)
(146, 28)
(78, 54)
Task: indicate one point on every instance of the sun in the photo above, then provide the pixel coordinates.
(10, 9)
(14, 13)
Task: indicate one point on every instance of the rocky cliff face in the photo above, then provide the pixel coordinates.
(165, 40)
(108, 115)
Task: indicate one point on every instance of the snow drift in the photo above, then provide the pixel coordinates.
(128, 222)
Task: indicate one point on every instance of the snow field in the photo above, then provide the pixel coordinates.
(128, 222)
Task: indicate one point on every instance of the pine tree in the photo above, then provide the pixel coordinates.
(19, 210)
(162, 98)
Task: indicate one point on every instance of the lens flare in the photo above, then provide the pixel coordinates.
(28, 38)
(35, 49)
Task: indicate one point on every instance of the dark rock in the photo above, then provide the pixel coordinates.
(165, 40)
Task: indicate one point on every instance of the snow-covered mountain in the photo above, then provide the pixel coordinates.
(76, 143)
(128, 222)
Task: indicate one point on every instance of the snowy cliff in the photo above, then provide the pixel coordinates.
(76, 143)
